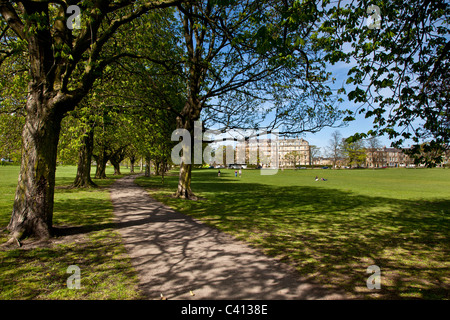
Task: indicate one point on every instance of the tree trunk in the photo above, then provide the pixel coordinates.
(184, 183)
(163, 171)
(147, 166)
(132, 161)
(116, 166)
(33, 204)
(116, 158)
(83, 178)
(191, 113)
(101, 159)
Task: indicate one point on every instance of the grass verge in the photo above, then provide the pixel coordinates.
(87, 239)
(332, 231)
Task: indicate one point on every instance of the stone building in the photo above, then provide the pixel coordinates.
(387, 157)
(280, 153)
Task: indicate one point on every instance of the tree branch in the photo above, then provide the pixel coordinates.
(12, 19)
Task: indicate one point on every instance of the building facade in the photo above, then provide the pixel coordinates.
(293, 152)
(387, 157)
(296, 152)
(394, 158)
(280, 153)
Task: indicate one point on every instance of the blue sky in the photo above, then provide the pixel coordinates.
(321, 138)
(360, 125)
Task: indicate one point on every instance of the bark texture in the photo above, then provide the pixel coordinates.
(83, 178)
(33, 204)
(184, 183)
(102, 159)
(191, 113)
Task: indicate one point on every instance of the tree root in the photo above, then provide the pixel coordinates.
(13, 241)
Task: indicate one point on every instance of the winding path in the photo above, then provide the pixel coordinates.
(181, 258)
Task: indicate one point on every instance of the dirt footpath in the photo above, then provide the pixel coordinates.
(182, 258)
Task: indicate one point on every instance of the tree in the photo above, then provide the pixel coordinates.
(430, 155)
(149, 87)
(13, 79)
(293, 157)
(83, 177)
(401, 69)
(76, 143)
(10, 136)
(334, 150)
(132, 155)
(246, 60)
(63, 65)
(354, 152)
(85, 150)
(314, 152)
(374, 154)
(113, 134)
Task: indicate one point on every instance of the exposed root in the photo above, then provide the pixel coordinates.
(13, 241)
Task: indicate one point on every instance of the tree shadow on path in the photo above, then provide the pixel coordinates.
(331, 236)
(175, 255)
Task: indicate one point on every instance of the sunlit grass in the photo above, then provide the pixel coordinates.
(41, 273)
(331, 231)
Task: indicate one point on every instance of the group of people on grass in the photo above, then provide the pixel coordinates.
(323, 179)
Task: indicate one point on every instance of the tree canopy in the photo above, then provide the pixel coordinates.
(400, 70)
(128, 73)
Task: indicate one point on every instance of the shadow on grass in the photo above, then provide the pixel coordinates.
(330, 235)
(41, 273)
(82, 210)
(38, 269)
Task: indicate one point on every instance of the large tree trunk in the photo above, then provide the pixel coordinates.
(191, 113)
(83, 178)
(184, 183)
(45, 107)
(33, 204)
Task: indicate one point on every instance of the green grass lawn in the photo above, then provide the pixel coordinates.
(331, 231)
(92, 244)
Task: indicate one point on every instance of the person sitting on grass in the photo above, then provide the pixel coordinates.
(323, 179)
(317, 178)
